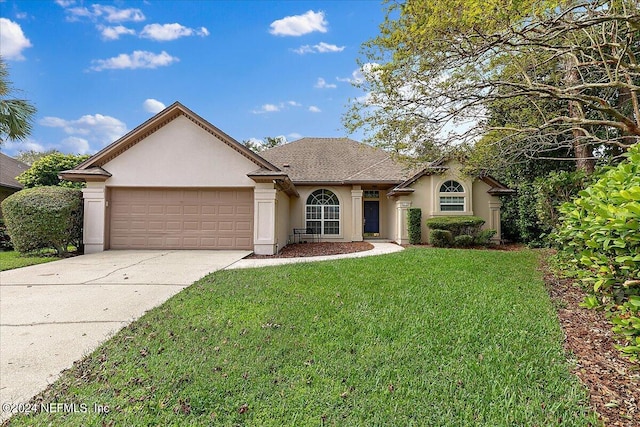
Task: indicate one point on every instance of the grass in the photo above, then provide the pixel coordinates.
(12, 259)
(423, 337)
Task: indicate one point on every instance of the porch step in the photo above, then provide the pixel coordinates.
(378, 240)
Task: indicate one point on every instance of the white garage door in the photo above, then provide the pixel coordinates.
(143, 218)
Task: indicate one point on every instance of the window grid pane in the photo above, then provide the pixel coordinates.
(451, 187)
(331, 227)
(322, 212)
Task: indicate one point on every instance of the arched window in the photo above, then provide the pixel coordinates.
(451, 197)
(323, 212)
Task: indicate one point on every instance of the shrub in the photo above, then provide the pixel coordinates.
(484, 237)
(5, 240)
(463, 241)
(440, 238)
(457, 225)
(414, 222)
(599, 239)
(44, 217)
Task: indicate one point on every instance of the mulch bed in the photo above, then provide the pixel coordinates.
(613, 381)
(316, 249)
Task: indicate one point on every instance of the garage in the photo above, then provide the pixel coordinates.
(170, 218)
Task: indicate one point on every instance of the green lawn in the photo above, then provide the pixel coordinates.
(11, 259)
(425, 337)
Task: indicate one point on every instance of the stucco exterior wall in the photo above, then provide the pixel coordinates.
(297, 210)
(180, 154)
(282, 217)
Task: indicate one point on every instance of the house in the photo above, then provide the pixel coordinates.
(10, 168)
(177, 181)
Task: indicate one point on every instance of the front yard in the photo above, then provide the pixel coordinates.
(12, 259)
(421, 337)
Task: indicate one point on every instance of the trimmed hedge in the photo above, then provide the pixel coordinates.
(440, 238)
(44, 217)
(463, 241)
(5, 239)
(414, 221)
(457, 225)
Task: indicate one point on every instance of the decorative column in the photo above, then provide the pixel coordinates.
(356, 214)
(264, 219)
(95, 216)
(494, 219)
(402, 230)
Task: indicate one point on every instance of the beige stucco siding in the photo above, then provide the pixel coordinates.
(282, 217)
(180, 154)
(481, 201)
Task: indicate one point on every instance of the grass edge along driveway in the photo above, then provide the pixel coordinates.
(12, 259)
(421, 337)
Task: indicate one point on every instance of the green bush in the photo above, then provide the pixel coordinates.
(457, 225)
(463, 241)
(5, 239)
(44, 217)
(440, 238)
(600, 240)
(414, 222)
(484, 237)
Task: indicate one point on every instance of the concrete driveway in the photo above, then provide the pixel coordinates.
(53, 314)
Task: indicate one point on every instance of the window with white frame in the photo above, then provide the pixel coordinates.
(451, 197)
(323, 212)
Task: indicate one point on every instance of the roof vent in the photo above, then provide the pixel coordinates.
(286, 165)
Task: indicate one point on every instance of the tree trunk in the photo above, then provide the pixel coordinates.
(583, 151)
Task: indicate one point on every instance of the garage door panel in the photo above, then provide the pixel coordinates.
(181, 219)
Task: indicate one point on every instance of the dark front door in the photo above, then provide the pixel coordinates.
(371, 216)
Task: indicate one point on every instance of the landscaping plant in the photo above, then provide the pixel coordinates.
(415, 218)
(461, 231)
(599, 239)
(44, 217)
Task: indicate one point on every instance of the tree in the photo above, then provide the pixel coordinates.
(30, 156)
(16, 115)
(438, 65)
(44, 171)
(268, 142)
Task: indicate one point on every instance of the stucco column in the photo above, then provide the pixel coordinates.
(356, 214)
(494, 219)
(264, 219)
(402, 230)
(94, 226)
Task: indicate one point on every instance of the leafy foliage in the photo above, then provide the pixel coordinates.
(414, 223)
(440, 238)
(30, 156)
(463, 241)
(268, 142)
(16, 115)
(44, 171)
(600, 242)
(5, 239)
(44, 217)
(457, 225)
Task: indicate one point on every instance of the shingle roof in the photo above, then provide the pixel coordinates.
(10, 168)
(338, 160)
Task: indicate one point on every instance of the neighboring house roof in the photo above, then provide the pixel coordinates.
(91, 169)
(10, 168)
(335, 161)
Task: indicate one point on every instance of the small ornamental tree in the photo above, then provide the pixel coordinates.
(45, 170)
(414, 222)
(44, 217)
(600, 239)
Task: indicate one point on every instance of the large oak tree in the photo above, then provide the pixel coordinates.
(439, 70)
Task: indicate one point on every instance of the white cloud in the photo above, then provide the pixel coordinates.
(12, 40)
(321, 47)
(138, 59)
(294, 104)
(168, 32)
(22, 15)
(97, 130)
(65, 3)
(114, 33)
(314, 109)
(12, 148)
(77, 145)
(113, 14)
(322, 84)
(75, 13)
(298, 25)
(267, 108)
(357, 76)
(294, 135)
(153, 106)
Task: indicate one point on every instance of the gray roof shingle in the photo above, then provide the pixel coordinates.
(10, 168)
(339, 160)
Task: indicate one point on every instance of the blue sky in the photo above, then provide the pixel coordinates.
(96, 70)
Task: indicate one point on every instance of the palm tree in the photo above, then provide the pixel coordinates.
(16, 115)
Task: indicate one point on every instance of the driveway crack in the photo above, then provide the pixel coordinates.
(88, 282)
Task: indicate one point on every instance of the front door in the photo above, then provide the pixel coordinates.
(371, 216)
